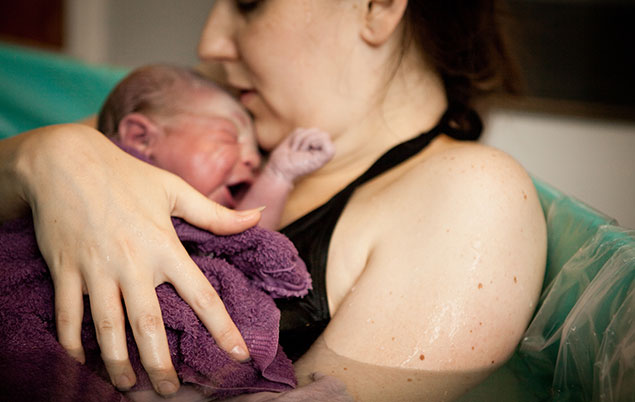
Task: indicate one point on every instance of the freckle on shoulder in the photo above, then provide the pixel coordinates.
(475, 158)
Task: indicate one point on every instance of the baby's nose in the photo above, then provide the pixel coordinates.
(251, 159)
(244, 173)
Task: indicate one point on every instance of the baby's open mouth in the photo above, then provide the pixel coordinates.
(238, 190)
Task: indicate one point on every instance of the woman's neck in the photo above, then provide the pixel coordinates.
(412, 103)
(405, 113)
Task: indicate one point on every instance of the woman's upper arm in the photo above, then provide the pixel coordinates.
(455, 268)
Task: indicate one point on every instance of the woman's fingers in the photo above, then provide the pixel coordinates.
(69, 311)
(109, 321)
(198, 210)
(147, 326)
(196, 290)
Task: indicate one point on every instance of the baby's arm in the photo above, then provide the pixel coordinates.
(302, 152)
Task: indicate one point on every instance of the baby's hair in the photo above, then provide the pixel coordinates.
(157, 90)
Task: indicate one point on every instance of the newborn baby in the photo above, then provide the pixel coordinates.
(180, 121)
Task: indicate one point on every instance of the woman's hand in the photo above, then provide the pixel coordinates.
(102, 220)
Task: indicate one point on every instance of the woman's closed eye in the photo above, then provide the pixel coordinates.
(246, 6)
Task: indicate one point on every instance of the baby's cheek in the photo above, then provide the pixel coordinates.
(225, 162)
(213, 171)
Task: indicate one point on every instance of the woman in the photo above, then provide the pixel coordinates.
(433, 258)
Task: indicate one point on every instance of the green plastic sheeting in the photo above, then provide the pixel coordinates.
(580, 344)
(39, 88)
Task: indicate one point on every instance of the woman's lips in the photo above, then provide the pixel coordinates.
(246, 96)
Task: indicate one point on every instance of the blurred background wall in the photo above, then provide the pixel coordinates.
(134, 32)
(575, 130)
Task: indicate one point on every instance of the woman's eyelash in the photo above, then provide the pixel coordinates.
(245, 6)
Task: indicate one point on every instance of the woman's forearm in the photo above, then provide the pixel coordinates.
(23, 161)
(369, 382)
(12, 158)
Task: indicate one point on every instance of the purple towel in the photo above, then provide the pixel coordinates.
(246, 269)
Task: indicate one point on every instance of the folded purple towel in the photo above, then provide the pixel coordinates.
(241, 268)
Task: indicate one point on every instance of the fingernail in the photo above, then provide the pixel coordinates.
(249, 213)
(123, 382)
(78, 355)
(166, 388)
(252, 211)
(239, 353)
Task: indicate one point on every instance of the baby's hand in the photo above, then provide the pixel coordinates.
(302, 152)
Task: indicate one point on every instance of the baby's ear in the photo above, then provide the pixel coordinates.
(138, 132)
(382, 19)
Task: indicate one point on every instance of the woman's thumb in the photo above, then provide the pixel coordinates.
(195, 208)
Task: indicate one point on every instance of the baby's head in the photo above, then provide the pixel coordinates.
(180, 121)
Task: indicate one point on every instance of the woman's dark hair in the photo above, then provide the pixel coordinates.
(465, 41)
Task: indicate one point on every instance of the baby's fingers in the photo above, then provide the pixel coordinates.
(318, 145)
(314, 139)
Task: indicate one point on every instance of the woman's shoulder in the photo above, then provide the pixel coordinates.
(466, 185)
(455, 159)
(464, 169)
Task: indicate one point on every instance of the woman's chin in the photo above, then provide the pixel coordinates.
(269, 134)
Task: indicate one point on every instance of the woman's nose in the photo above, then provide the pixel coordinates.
(217, 42)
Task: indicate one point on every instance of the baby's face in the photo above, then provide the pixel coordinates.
(212, 146)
